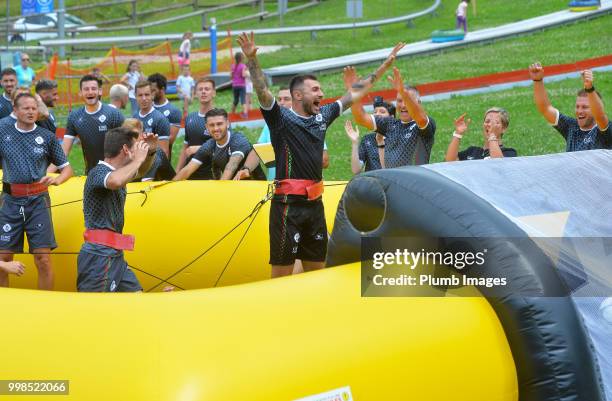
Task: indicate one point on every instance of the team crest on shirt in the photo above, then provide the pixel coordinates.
(150, 122)
(39, 140)
(319, 118)
(7, 227)
(102, 118)
(166, 113)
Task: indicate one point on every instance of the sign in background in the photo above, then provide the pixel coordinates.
(29, 7)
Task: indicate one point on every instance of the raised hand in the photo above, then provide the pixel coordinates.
(461, 124)
(350, 77)
(587, 79)
(141, 149)
(391, 58)
(352, 133)
(247, 44)
(150, 139)
(396, 80)
(536, 71)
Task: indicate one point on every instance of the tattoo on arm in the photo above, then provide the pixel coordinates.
(259, 83)
(231, 167)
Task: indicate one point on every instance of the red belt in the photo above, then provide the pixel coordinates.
(20, 190)
(110, 239)
(312, 189)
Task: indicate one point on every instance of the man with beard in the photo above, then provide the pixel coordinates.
(153, 121)
(226, 152)
(91, 123)
(591, 127)
(409, 139)
(26, 151)
(159, 84)
(195, 128)
(8, 81)
(47, 92)
(297, 221)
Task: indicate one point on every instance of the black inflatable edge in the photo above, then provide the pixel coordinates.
(553, 354)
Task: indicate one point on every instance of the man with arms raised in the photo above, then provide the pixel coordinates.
(297, 220)
(409, 139)
(591, 127)
(195, 128)
(153, 121)
(91, 123)
(101, 265)
(26, 151)
(159, 84)
(226, 153)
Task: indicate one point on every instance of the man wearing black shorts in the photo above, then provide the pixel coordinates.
(101, 264)
(226, 152)
(26, 151)
(159, 84)
(591, 127)
(297, 220)
(91, 123)
(195, 128)
(409, 138)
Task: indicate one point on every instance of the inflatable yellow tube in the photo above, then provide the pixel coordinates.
(281, 339)
(177, 222)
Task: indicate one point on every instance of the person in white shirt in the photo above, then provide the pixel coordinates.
(184, 87)
(130, 79)
(185, 49)
(461, 14)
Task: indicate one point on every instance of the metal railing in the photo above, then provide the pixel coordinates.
(264, 31)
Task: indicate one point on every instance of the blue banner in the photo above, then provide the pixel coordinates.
(29, 7)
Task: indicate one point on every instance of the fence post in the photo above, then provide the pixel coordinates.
(213, 45)
(204, 28)
(262, 7)
(134, 12)
(195, 4)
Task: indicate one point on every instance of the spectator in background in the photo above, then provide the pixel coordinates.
(104, 80)
(591, 127)
(8, 80)
(130, 79)
(25, 73)
(369, 154)
(184, 88)
(118, 95)
(461, 14)
(46, 92)
(239, 73)
(496, 121)
(185, 50)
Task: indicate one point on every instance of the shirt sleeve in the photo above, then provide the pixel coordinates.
(204, 154)
(162, 129)
(430, 128)
(509, 152)
(331, 111)
(463, 155)
(71, 131)
(175, 117)
(241, 146)
(273, 117)
(56, 154)
(607, 135)
(564, 124)
(382, 125)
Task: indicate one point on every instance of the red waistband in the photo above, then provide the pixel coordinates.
(110, 239)
(19, 190)
(310, 188)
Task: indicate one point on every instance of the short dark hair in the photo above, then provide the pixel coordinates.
(298, 81)
(584, 93)
(87, 78)
(283, 88)
(116, 138)
(45, 84)
(206, 79)
(216, 112)
(20, 96)
(141, 84)
(7, 71)
(159, 80)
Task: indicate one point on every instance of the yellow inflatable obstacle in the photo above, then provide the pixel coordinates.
(176, 224)
(272, 340)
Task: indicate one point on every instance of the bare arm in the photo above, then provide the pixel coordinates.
(186, 171)
(67, 145)
(165, 146)
(415, 109)
(595, 102)
(461, 127)
(247, 43)
(325, 159)
(536, 72)
(353, 134)
(43, 110)
(231, 167)
(182, 157)
(120, 177)
(251, 163)
(174, 130)
(361, 117)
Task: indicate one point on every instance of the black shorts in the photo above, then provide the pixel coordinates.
(105, 273)
(297, 231)
(30, 215)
